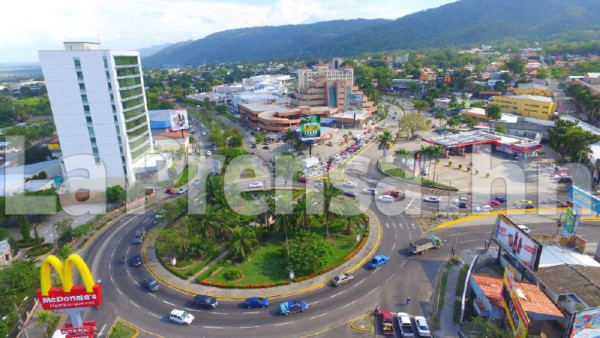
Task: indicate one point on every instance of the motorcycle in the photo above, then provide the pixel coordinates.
(123, 260)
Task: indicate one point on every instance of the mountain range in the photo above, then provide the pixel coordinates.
(464, 23)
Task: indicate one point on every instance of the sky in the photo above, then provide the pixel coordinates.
(32, 25)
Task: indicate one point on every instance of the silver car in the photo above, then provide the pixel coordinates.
(342, 279)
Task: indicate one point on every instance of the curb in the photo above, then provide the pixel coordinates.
(273, 296)
(120, 320)
(370, 330)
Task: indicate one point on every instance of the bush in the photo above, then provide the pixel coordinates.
(449, 163)
(81, 230)
(40, 250)
(28, 244)
(460, 167)
(233, 274)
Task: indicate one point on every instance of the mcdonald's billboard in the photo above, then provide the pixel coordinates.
(67, 296)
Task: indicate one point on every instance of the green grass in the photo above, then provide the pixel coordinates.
(462, 276)
(442, 291)
(396, 172)
(183, 178)
(121, 330)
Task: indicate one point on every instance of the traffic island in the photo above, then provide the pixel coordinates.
(121, 329)
(364, 323)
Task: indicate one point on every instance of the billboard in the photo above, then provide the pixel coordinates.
(310, 127)
(584, 324)
(67, 296)
(356, 100)
(179, 119)
(517, 317)
(584, 199)
(568, 224)
(517, 243)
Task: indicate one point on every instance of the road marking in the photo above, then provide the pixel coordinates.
(101, 331)
(250, 313)
(155, 315)
(390, 277)
(128, 274)
(370, 292)
(362, 280)
(316, 302)
(151, 294)
(134, 303)
(213, 327)
(413, 225)
(345, 306)
(395, 235)
(220, 313)
(321, 315)
(281, 324)
(409, 204)
(337, 294)
(164, 301)
(467, 241)
(401, 226)
(249, 327)
(409, 236)
(119, 290)
(394, 246)
(111, 279)
(387, 225)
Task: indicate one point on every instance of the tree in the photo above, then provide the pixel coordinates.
(410, 123)
(47, 319)
(65, 231)
(329, 192)
(116, 194)
(309, 253)
(515, 65)
(37, 154)
(494, 112)
(485, 328)
(243, 243)
(501, 129)
(350, 212)
(286, 166)
(420, 105)
(385, 141)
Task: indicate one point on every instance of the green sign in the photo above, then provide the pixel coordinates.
(310, 127)
(569, 222)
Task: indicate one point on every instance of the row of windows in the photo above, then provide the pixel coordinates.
(125, 60)
(128, 71)
(136, 122)
(130, 82)
(137, 132)
(136, 154)
(132, 103)
(135, 144)
(133, 113)
(131, 92)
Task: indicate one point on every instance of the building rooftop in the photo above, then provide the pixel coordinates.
(533, 98)
(35, 185)
(535, 301)
(461, 139)
(583, 281)
(532, 85)
(554, 255)
(4, 245)
(266, 107)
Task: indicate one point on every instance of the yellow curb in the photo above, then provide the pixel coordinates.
(370, 330)
(280, 295)
(125, 323)
(419, 221)
(331, 327)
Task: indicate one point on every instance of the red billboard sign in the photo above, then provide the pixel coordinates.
(517, 243)
(88, 328)
(78, 297)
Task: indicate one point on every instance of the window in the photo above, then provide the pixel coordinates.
(107, 75)
(105, 61)
(86, 108)
(80, 75)
(82, 86)
(77, 62)
(88, 119)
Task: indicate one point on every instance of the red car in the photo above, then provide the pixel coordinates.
(492, 203)
(171, 191)
(569, 203)
(303, 179)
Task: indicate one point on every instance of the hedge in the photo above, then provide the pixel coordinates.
(40, 250)
(28, 244)
(244, 286)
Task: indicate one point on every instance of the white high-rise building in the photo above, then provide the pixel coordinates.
(99, 107)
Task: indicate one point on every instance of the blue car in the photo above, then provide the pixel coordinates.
(292, 306)
(378, 261)
(500, 199)
(256, 302)
(136, 260)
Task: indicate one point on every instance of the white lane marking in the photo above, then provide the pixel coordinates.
(401, 265)
(315, 302)
(101, 331)
(409, 236)
(394, 224)
(321, 315)
(409, 204)
(213, 327)
(469, 240)
(345, 306)
(250, 313)
(134, 303)
(164, 301)
(128, 274)
(155, 315)
(362, 280)
(111, 279)
(249, 327)
(220, 313)
(394, 246)
(413, 225)
(151, 294)
(395, 235)
(387, 225)
(190, 309)
(119, 290)
(390, 277)
(401, 226)
(281, 324)
(337, 294)
(370, 292)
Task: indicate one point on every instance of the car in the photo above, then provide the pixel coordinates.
(205, 302)
(370, 191)
(253, 146)
(292, 306)
(256, 302)
(422, 327)
(560, 204)
(378, 261)
(395, 194)
(342, 279)
(255, 185)
(525, 206)
(203, 133)
(159, 216)
(151, 284)
(182, 191)
(208, 153)
(550, 200)
(303, 179)
(386, 198)
(181, 317)
(349, 194)
(350, 184)
(136, 260)
(569, 203)
(484, 208)
(171, 191)
(448, 208)
(319, 185)
(500, 199)
(492, 203)
(523, 202)
(137, 239)
(266, 147)
(431, 199)
(523, 228)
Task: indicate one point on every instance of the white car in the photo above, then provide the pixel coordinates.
(319, 185)
(181, 317)
(203, 133)
(432, 199)
(255, 185)
(182, 191)
(422, 327)
(523, 228)
(350, 184)
(484, 208)
(208, 153)
(550, 200)
(386, 198)
(370, 191)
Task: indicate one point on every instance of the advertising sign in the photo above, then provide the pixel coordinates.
(356, 100)
(568, 224)
(517, 243)
(67, 296)
(88, 328)
(585, 324)
(517, 317)
(584, 199)
(179, 119)
(310, 127)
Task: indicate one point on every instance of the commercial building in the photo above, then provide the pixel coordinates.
(277, 118)
(539, 107)
(99, 108)
(533, 89)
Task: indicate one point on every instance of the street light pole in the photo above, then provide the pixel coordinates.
(20, 322)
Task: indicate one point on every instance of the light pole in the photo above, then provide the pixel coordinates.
(21, 324)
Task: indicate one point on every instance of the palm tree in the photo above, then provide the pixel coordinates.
(329, 192)
(289, 136)
(213, 223)
(244, 242)
(437, 151)
(47, 319)
(348, 211)
(385, 139)
(302, 213)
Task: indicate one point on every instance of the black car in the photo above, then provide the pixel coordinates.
(151, 284)
(350, 194)
(137, 239)
(136, 260)
(205, 302)
(253, 146)
(266, 147)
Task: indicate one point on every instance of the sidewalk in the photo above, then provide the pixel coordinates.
(447, 326)
(191, 287)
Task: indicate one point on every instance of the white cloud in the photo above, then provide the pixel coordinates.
(29, 25)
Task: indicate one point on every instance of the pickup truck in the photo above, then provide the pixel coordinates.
(422, 245)
(398, 195)
(406, 329)
(387, 323)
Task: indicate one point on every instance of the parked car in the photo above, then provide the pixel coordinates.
(431, 199)
(523, 202)
(266, 147)
(500, 199)
(523, 228)
(378, 261)
(350, 184)
(422, 327)
(181, 317)
(370, 191)
(253, 146)
(171, 191)
(136, 260)
(319, 185)
(255, 185)
(492, 203)
(205, 302)
(256, 302)
(349, 194)
(151, 284)
(292, 306)
(484, 208)
(208, 153)
(386, 198)
(550, 200)
(525, 206)
(182, 191)
(342, 279)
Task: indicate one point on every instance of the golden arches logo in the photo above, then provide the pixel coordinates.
(65, 273)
